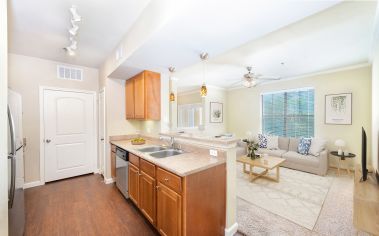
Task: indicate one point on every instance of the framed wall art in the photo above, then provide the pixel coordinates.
(338, 109)
(216, 112)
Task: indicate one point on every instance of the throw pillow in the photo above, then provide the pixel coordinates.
(262, 141)
(304, 145)
(317, 146)
(272, 142)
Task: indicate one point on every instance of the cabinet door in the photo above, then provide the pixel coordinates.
(169, 211)
(147, 197)
(129, 99)
(153, 95)
(133, 182)
(139, 96)
(113, 165)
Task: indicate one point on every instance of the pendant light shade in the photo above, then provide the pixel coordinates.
(203, 91)
(171, 69)
(172, 97)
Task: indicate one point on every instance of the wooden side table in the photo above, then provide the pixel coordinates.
(342, 158)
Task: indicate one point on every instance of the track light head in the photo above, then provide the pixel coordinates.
(74, 13)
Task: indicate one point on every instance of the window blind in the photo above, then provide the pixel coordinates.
(288, 113)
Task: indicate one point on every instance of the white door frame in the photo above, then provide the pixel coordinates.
(42, 89)
(102, 168)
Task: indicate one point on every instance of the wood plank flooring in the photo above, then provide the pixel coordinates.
(82, 206)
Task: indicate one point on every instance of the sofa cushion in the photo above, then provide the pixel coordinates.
(272, 142)
(262, 141)
(275, 153)
(283, 143)
(304, 145)
(299, 159)
(293, 145)
(317, 146)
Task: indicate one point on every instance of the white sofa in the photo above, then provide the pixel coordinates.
(294, 160)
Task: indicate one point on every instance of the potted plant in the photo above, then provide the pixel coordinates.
(252, 146)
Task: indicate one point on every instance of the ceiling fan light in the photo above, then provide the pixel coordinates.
(74, 13)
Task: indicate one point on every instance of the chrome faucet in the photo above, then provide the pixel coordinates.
(172, 143)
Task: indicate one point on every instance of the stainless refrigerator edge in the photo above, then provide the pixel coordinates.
(16, 204)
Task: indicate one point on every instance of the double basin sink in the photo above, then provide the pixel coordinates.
(161, 152)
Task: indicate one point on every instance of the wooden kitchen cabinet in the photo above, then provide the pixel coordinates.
(143, 96)
(139, 96)
(113, 162)
(147, 196)
(169, 211)
(179, 206)
(129, 99)
(133, 183)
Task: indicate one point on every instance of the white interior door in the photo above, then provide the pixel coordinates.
(70, 133)
(102, 131)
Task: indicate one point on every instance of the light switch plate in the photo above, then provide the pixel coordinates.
(213, 152)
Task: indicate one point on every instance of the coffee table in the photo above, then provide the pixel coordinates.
(267, 163)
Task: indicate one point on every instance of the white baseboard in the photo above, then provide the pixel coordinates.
(97, 171)
(108, 181)
(33, 184)
(231, 230)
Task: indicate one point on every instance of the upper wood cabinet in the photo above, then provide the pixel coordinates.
(143, 96)
(129, 95)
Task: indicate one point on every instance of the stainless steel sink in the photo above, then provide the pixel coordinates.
(166, 153)
(152, 149)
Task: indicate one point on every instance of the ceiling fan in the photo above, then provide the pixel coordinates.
(250, 79)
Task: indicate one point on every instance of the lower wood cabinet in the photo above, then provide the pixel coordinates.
(169, 211)
(147, 202)
(113, 162)
(179, 206)
(133, 182)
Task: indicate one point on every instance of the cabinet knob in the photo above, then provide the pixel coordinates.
(139, 174)
(166, 179)
(157, 187)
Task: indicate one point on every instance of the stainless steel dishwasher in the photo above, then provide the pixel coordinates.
(122, 165)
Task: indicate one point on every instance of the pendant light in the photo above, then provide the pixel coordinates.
(203, 89)
(172, 94)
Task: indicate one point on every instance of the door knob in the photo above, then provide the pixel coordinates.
(47, 140)
(102, 139)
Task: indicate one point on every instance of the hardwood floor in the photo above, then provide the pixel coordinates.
(82, 206)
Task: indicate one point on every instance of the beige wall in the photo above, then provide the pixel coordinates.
(189, 98)
(375, 109)
(3, 119)
(244, 106)
(26, 75)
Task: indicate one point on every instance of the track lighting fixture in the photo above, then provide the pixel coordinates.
(73, 31)
(74, 13)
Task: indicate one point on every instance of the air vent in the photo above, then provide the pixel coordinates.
(69, 73)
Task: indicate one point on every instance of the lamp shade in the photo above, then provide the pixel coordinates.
(339, 143)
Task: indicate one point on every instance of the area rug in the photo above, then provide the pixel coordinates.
(297, 197)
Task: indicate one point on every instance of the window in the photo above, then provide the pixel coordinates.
(189, 115)
(288, 113)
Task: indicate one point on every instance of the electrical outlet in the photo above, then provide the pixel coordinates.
(213, 152)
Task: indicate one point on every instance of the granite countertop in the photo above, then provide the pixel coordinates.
(182, 165)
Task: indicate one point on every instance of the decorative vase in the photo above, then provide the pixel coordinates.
(251, 154)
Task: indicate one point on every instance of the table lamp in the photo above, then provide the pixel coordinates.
(340, 144)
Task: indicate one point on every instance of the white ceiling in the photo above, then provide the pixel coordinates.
(38, 28)
(215, 26)
(338, 37)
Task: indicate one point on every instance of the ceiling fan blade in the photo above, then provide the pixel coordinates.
(268, 78)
